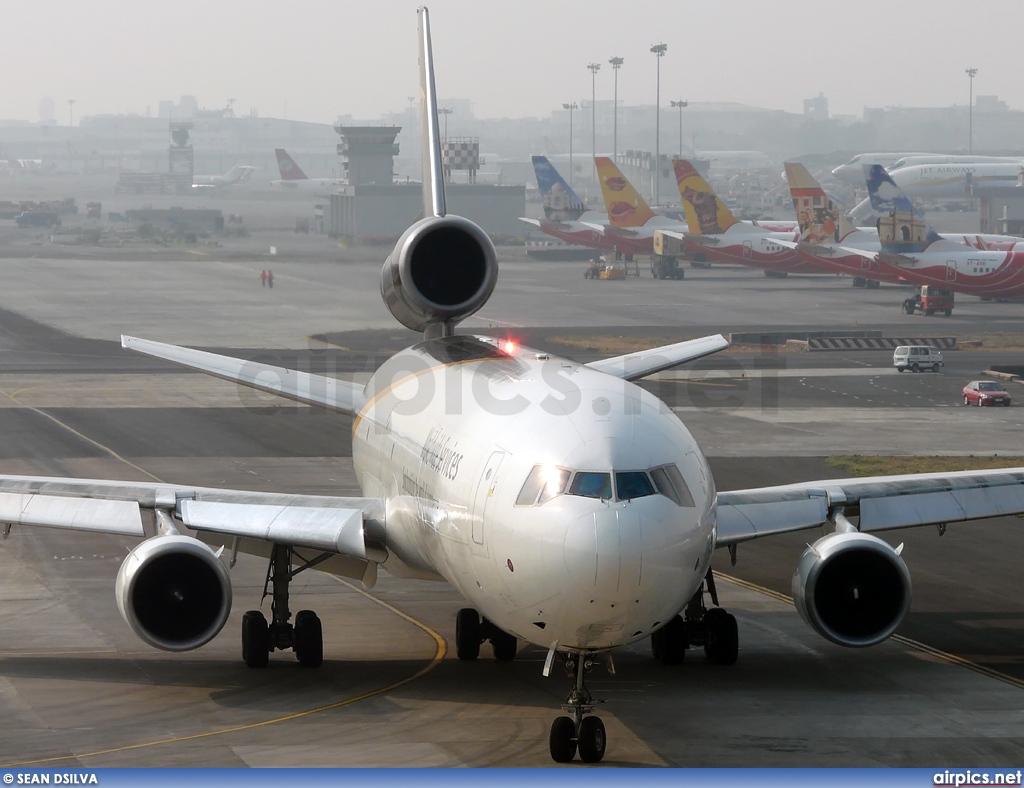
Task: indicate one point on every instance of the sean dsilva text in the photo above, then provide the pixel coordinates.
(55, 778)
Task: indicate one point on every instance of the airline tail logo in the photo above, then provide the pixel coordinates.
(558, 199)
(290, 171)
(902, 228)
(625, 206)
(705, 213)
(820, 219)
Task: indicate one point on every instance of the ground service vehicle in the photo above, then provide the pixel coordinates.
(929, 300)
(37, 219)
(917, 357)
(985, 392)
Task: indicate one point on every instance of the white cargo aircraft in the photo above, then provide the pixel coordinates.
(571, 508)
(238, 174)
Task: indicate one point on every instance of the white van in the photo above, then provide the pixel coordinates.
(917, 357)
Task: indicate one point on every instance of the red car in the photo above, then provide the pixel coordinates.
(985, 392)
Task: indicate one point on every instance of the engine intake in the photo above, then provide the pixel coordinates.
(442, 270)
(852, 589)
(174, 592)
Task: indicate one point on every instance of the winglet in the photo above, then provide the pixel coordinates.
(433, 172)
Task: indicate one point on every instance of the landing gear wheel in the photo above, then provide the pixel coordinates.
(669, 643)
(562, 740)
(467, 634)
(309, 639)
(722, 644)
(504, 645)
(255, 640)
(591, 740)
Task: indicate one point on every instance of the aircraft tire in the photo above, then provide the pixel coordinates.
(467, 634)
(562, 740)
(309, 639)
(669, 643)
(722, 646)
(255, 640)
(504, 646)
(592, 740)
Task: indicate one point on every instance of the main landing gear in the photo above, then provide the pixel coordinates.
(713, 628)
(578, 732)
(471, 630)
(304, 637)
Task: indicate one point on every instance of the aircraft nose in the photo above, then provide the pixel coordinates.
(603, 552)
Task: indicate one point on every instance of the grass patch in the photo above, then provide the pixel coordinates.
(870, 465)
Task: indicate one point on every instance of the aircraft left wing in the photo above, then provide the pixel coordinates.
(633, 366)
(323, 392)
(882, 502)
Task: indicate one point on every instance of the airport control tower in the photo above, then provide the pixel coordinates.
(368, 153)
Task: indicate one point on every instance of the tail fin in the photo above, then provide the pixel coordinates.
(559, 200)
(239, 173)
(290, 171)
(820, 219)
(901, 229)
(434, 203)
(625, 206)
(705, 213)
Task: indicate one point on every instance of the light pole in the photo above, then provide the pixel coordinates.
(594, 68)
(71, 112)
(616, 63)
(570, 107)
(446, 111)
(680, 104)
(970, 111)
(659, 53)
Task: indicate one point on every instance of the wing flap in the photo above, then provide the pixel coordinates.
(329, 393)
(78, 514)
(328, 530)
(633, 366)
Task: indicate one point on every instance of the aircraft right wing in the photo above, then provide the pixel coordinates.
(332, 394)
(882, 502)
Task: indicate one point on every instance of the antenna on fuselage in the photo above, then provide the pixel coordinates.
(433, 170)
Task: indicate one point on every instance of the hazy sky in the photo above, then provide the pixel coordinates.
(317, 59)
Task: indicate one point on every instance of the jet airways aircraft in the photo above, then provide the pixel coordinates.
(571, 508)
(911, 249)
(956, 179)
(237, 174)
(292, 176)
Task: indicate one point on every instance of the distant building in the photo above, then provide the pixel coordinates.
(816, 108)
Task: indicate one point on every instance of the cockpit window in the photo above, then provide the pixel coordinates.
(543, 484)
(632, 484)
(671, 484)
(592, 485)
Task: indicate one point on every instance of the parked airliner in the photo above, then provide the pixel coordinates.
(292, 177)
(571, 508)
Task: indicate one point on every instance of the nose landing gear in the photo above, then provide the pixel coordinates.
(578, 732)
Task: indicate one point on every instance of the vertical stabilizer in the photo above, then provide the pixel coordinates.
(705, 213)
(821, 220)
(290, 171)
(902, 229)
(433, 172)
(561, 204)
(625, 206)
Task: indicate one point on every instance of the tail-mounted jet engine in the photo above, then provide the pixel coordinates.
(174, 592)
(441, 271)
(852, 588)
